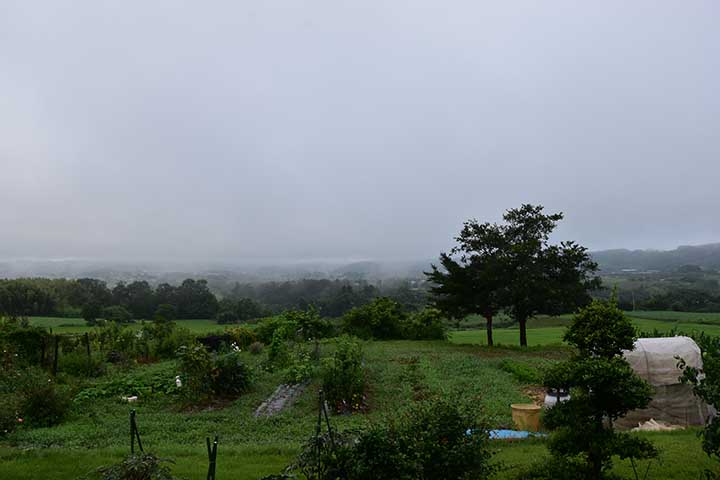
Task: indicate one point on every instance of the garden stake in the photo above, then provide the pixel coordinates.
(134, 434)
(322, 411)
(212, 457)
(87, 348)
(55, 360)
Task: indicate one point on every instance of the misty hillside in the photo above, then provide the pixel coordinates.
(705, 256)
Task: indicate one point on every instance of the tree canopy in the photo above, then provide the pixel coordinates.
(513, 267)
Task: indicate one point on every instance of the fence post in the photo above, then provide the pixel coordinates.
(55, 359)
(134, 434)
(87, 349)
(212, 457)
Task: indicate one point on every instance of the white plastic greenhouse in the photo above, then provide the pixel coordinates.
(656, 360)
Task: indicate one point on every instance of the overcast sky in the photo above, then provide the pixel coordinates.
(364, 129)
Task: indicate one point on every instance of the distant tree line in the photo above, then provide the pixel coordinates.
(92, 298)
(332, 298)
(88, 296)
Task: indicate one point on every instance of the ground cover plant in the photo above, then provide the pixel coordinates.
(603, 387)
(399, 373)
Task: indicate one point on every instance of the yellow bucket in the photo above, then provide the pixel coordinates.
(526, 416)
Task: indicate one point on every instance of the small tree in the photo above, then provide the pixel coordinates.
(706, 385)
(603, 388)
(117, 313)
(382, 319)
(91, 312)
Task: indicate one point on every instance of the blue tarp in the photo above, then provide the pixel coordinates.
(512, 434)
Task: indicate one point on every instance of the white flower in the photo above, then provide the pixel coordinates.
(178, 382)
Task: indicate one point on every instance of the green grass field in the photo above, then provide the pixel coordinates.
(97, 431)
(540, 334)
(78, 325)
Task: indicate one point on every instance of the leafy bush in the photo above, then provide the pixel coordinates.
(706, 385)
(204, 375)
(430, 441)
(382, 318)
(427, 324)
(294, 324)
(196, 367)
(522, 372)
(278, 351)
(9, 413)
(242, 336)
(117, 313)
(226, 317)
(166, 339)
(45, 406)
(230, 375)
(256, 348)
(301, 369)
(42, 403)
(268, 328)
(603, 388)
(343, 377)
(78, 364)
(144, 466)
(27, 342)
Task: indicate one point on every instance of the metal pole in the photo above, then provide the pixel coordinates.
(55, 360)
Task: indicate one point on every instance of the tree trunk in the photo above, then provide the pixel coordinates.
(522, 321)
(488, 328)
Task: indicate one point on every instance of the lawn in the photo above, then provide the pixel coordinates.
(398, 372)
(78, 325)
(97, 431)
(552, 335)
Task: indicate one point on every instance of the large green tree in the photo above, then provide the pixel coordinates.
(513, 267)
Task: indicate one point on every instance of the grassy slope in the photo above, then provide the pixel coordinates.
(539, 334)
(97, 432)
(78, 325)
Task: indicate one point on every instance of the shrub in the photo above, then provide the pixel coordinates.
(78, 364)
(27, 342)
(278, 351)
(204, 376)
(343, 377)
(230, 375)
(430, 441)
(301, 369)
(9, 413)
(45, 406)
(242, 336)
(603, 388)
(226, 317)
(117, 313)
(166, 312)
(294, 324)
(256, 348)
(706, 385)
(144, 466)
(427, 324)
(196, 367)
(382, 318)
(91, 312)
(117, 338)
(165, 341)
(269, 327)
